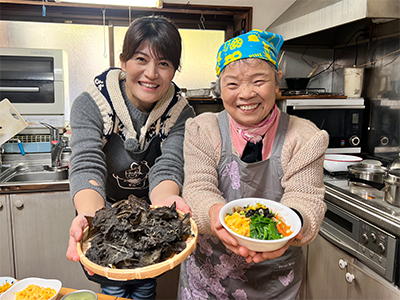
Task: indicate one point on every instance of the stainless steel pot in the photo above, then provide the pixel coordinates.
(368, 173)
(392, 187)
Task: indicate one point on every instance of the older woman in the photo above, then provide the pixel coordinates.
(251, 149)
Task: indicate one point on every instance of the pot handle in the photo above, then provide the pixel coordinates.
(373, 184)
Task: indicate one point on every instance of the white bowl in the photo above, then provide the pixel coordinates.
(5, 279)
(339, 162)
(287, 214)
(22, 284)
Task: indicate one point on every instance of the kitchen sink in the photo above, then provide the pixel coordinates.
(27, 172)
(33, 173)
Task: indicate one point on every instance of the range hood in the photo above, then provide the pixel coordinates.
(305, 17)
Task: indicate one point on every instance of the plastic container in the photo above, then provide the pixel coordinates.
(353, 82)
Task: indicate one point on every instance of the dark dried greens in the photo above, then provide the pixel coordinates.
(131, 235)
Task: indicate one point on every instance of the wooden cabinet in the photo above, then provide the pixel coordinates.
(327, 269)
(36, 228)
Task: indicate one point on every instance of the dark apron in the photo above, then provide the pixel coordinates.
(127, 175)
(212, 271)
(128, 172)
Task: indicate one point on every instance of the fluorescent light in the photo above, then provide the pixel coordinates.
(141, 3)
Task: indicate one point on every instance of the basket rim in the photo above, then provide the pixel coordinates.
(150, 271)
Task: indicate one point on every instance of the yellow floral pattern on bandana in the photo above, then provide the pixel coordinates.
(255, 43)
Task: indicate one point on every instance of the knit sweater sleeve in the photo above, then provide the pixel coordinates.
(169, 166)
(302, 162)
(202, 152)
(87, 160)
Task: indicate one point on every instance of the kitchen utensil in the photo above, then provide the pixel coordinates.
(297, 83)
(287, 214)
(150, 271)
(394, 164)
(358, 181)
(339, 162)
(371, 173)
(11, 121)
(392, 192)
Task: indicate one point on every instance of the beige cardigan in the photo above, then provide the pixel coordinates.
(302, 162)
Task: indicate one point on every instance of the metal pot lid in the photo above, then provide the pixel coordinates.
(363, 168)
(394, 164)
(393, 177)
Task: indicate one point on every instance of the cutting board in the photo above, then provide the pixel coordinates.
(11, 121)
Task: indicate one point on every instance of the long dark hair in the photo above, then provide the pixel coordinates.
(159, 33)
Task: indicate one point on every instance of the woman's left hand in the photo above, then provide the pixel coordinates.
(261, 256)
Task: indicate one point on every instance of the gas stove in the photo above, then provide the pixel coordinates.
(359, 221)
(362, 200)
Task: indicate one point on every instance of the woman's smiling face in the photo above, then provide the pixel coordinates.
(248, 89)
(147, 77)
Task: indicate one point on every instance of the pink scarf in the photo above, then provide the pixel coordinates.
(254, 133)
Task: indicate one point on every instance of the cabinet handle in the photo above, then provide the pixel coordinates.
(1, 204)
(342, 264)
(19, 204)
(350, 277)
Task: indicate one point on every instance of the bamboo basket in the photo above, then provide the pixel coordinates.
(150, 271)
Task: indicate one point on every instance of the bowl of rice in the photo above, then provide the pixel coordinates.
(33, 288)
(260, 224)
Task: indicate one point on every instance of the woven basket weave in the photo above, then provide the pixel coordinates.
(138, 273)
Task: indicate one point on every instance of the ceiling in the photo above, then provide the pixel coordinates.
(184, 15)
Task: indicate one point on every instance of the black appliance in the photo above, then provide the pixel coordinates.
(342, 118)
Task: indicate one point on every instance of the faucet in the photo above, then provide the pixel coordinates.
(57, 145)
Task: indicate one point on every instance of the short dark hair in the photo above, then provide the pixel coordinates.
(159, 33)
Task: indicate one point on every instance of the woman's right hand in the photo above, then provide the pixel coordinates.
(79, 223)
(225, 237)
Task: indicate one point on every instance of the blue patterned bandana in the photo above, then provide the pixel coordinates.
(255, 43)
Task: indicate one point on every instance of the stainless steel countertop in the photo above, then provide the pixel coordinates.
(9, 160)
(376, 211)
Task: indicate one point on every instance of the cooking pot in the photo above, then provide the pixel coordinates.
(379, 177)
(365, 174)
(392, 189)
(297, 83)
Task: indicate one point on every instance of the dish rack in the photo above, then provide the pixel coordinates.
(31, 143)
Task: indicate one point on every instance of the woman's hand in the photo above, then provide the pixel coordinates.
(261, 256)
(232, 244)
(79, 223)
(225, 237)
(180, 203)
(166, 193)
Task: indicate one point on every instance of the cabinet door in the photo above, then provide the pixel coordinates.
(325, 279)
(367, 285)
(41, 224)
(6, 257)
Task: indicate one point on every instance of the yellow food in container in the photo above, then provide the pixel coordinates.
(5, 287)
(238, 223)
(35, 292)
